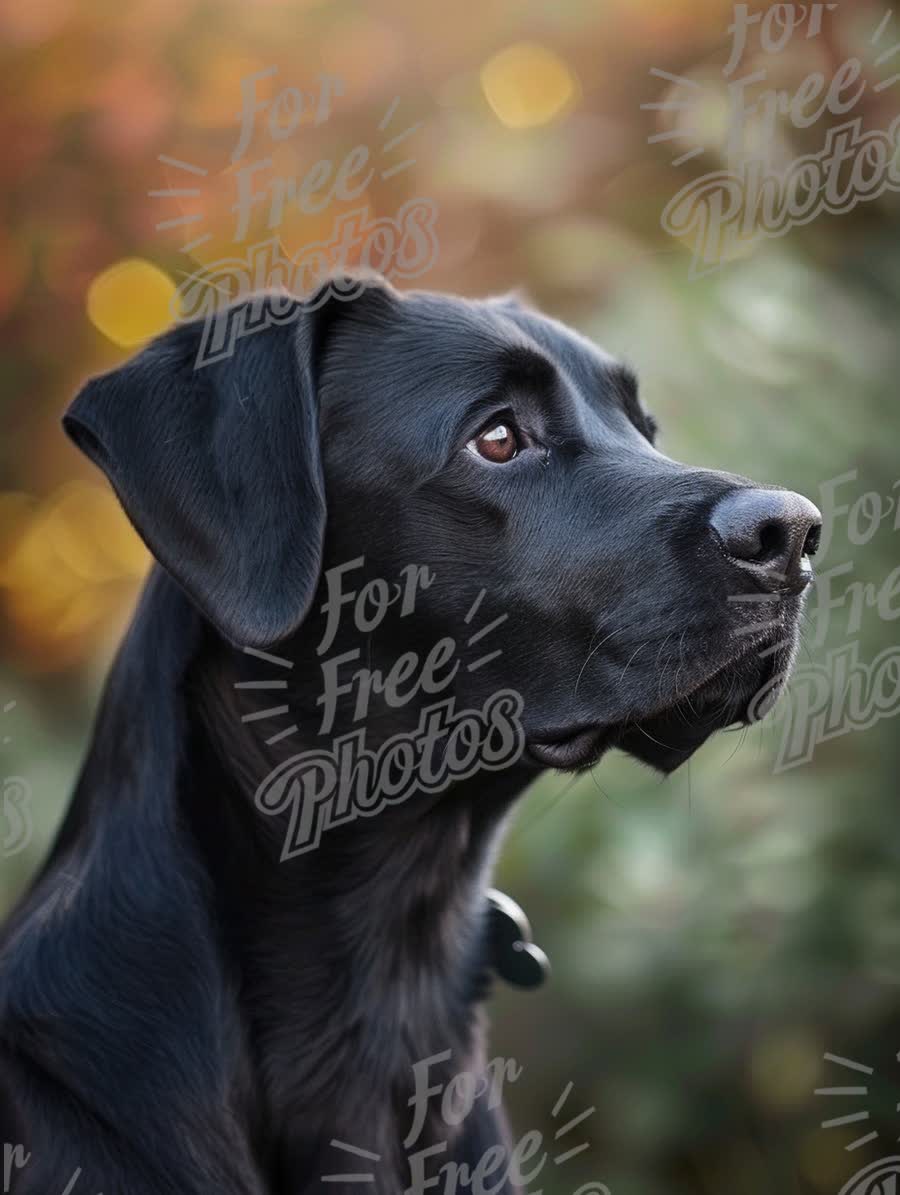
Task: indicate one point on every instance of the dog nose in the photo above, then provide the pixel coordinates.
(770, 532)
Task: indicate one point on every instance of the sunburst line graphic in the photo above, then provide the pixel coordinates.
(885, 21)
(192, 218)
(473, 609)
(660, 74)
(396, 140)
(258, 715)
(358, 1153)
(179, 165)
(478, 635)
(405, 165)
(860, 1142)
(486, 630)
(885, 56)
(182, 193)
(389, 115)
(754, 597)
(837, 1122)
(7, 709)
(263, 685)
(175, 193)
(755, 627)
(686, 157)
(282, 734)
(196, 243)
(484, 660)
(671, 135)
(670, 106)
(676, 103)
(560, 1159)
(268, 657)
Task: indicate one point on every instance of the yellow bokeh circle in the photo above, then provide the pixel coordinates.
(131, 301)
(528, 85)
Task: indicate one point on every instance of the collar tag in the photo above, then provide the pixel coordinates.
(514, 956)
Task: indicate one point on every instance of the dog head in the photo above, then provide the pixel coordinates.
(630, 600)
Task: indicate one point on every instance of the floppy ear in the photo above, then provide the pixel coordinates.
(218, 466)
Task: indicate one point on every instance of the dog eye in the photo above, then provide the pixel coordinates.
(498, 443)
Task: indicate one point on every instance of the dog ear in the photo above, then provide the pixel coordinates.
(218, 465)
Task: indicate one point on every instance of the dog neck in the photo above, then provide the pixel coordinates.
(319, 981)
(358, 959)
(334, 972)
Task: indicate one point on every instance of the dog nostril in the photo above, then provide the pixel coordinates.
(812, 541)
(773, 542)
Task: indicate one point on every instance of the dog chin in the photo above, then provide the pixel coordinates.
(740, 693)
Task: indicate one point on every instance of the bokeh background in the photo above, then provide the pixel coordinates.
(714, 935)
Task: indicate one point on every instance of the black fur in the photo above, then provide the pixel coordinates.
(180, 1010)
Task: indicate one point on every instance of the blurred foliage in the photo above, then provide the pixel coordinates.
(714, 935)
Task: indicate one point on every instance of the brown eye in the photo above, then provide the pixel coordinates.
(498, 443)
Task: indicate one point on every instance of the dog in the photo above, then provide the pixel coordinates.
(435, 536)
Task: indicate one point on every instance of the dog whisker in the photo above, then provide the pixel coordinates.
(567, 787)
(590, 654)
(628, 665)
(600, 789)
(648, 735)
(740, 744)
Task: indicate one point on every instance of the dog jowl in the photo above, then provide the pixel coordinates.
(183, 1007)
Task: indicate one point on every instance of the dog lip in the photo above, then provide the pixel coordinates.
(565, 749)
(577, 747)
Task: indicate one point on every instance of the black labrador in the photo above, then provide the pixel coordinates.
(412, 550)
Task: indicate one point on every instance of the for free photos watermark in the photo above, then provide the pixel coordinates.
(453, 1098)
(843, 692)
(16, 1158)
(16, 827)
(330, 786)
(401, 246)
(729, 210)
(852, 1084)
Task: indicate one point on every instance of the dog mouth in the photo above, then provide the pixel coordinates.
(737, 693)
(571, 752)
